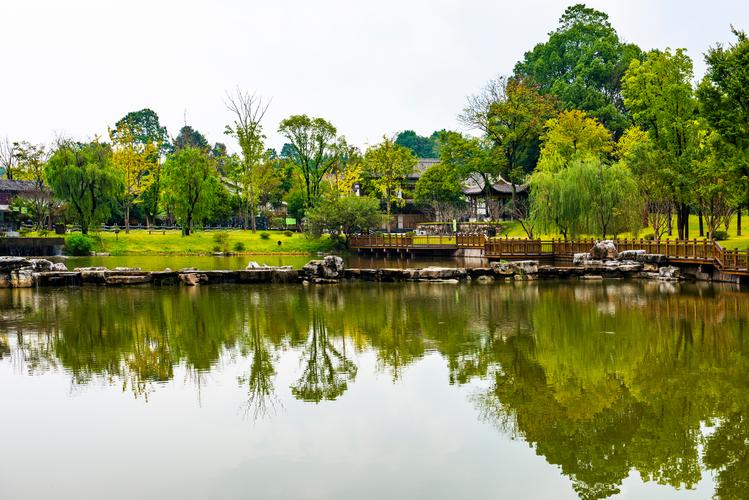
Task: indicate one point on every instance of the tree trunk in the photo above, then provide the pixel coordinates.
(738, 222)
(127, 218)
(702, 226)
(669, 223)
(389, 216)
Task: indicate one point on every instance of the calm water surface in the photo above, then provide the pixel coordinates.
(175, 262)
(435, 391)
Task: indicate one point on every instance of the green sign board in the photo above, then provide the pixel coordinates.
(290, 221)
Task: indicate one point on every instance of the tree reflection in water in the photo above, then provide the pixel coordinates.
(599, 379)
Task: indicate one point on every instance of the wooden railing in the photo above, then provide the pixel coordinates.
(689, 251)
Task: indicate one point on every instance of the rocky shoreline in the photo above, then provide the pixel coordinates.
(18, 272)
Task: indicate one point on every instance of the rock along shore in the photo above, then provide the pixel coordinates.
(18, 272)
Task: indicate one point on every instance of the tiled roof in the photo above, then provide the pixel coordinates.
(13, 185)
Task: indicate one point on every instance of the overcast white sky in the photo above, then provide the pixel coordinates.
(371, 68)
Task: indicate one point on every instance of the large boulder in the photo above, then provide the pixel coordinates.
(331, 267)
(669, 273)
(604, 250)
(579, 259)
(519, 267)
(630, 254)
(435, 273)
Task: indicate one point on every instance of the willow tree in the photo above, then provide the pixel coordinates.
(387, 165)
(83, 176)
(575, 189)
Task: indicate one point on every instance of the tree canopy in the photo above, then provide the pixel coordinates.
(582, 64)
(83, 176)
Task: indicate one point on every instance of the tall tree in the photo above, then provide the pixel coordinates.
(724, 99)
(32, 159)
(511, 113)
(143, 130)
(137, 162)
(247, 112)
(659, 94)
(582, 63)
(387, 165)
(635, 150)
(190, 184)
(311, 148)
(83, 176)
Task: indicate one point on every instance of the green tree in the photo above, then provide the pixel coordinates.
(311, 148)
(635, 150)
(587, 197)
(511, 113)
(387, 165)
(724, 99)
(716, 186)
(441, 189)
(83, 176)
(422, 147)
(659, 94)
(582, 64)
(190, 185)
(248, 111)
(31, 160)
(138, 164)
(145, 128)
(188, 137)
(573, 135)
(344, 216)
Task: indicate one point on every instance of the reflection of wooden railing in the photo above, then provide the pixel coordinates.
(687, 251)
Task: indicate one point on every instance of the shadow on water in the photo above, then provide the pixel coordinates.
(600, 379)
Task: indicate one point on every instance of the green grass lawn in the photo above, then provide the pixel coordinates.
(514, 230)
(139, 242)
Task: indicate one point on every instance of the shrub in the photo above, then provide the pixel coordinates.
(278, 222)
(288, 233)
(78, 244)
(264, 236)
(221, 238)
(649, 237)
(239, 247)
(720, 235)
(216, 248)
(409, 234)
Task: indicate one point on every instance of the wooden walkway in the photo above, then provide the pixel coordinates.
(677, 251)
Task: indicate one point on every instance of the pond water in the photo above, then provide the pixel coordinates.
(375, 391)
(207, 262)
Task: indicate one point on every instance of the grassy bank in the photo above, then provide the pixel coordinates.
(514, 230)
(140, 242)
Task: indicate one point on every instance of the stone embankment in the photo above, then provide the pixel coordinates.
(600, 263)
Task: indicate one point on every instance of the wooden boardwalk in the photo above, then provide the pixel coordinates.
(695, 251)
